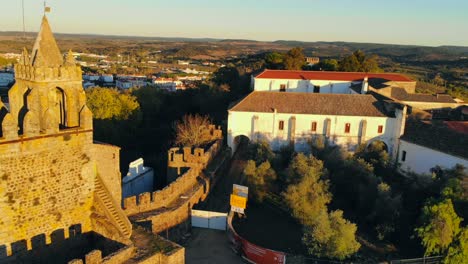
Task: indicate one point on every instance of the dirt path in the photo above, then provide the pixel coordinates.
(212, 246)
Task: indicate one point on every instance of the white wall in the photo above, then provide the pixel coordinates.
(421, 159)
(304, 86)
(266, 128)
(139, 179)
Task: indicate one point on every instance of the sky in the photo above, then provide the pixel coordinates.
(416, 22)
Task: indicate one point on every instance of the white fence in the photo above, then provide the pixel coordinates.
(207, 219)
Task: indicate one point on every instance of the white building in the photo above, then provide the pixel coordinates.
(130, 83)
(139, 179)
(326, 82)
(168, 84)
(295, 118)
(425, 146)
(106, 78)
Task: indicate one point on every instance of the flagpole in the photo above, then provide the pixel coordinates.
(24, 27)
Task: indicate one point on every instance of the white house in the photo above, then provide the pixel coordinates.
(129, 83)
(425, 146)
(295, 118)
(326, 82)
(139, 179)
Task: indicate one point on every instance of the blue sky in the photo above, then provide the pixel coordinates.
(420, 22)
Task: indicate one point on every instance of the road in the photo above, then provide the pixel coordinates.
(208, 246)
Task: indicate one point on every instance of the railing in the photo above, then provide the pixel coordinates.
(423, 260)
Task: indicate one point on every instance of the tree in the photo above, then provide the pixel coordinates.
(326, 65)
(259, 179)
(359, 62)
(260, 152)
(308, 195)
(458, 251)
(274, 60)
(108, 103)
(294, 59)
(332, 236)
(440, 227)
(193, 130)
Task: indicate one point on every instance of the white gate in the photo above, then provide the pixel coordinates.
(207, 219)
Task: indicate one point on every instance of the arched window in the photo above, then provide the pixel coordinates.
(61, 107)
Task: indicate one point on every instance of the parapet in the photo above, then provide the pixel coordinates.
(186, 157)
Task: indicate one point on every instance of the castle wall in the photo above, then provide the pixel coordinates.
(46, 184)
(179, 214)
(196, 160)
(163, 198)
(108, 161)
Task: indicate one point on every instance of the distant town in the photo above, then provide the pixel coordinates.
(114, 150)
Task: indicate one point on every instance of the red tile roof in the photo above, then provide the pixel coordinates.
(335, 76)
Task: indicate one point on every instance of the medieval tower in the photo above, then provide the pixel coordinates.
(53, 177)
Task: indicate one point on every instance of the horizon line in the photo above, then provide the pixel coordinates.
(237, 39)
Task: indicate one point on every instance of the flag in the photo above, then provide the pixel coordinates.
(47, 9)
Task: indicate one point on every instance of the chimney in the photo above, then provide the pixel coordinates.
(365, 86)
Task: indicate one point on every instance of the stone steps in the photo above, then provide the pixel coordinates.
(110, 207)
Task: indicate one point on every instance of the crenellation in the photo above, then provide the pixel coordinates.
(53, 178)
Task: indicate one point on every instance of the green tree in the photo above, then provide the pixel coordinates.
(331, 236)
(309, 196)
(108, 103)
(440, 227)
(294, 59)
(259, 179)
(458, 251)
(274, 60)
(260, 152)
(359, 62)
(327, 65)
(350, 64)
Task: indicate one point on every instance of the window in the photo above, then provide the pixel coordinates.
(313, 128)
(347, 128)
(316, 88)
(281, 125)
(282, 87)
(380, 129)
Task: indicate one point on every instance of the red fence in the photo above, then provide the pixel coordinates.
(251, 251)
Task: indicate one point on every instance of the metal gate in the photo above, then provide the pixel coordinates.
(207, 219)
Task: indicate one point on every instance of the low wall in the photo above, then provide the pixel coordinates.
(178, 213)
(253, 253)
(146, 202)
(163, 198)
(176, 256)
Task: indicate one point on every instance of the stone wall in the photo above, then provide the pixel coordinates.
(187, 158)
(196, 161)
(108, 158)
(176, 256)
(179, 213)
(46, 184)
(150, 201)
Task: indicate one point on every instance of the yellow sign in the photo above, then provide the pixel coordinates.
(238, 201)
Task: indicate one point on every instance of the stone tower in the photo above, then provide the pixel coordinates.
(48, 87)
(53, 178)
